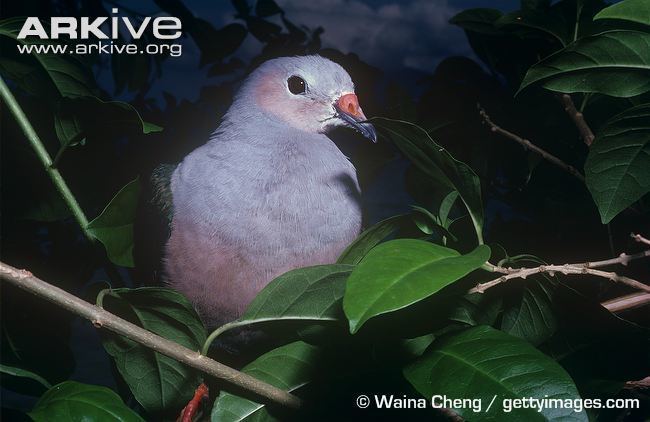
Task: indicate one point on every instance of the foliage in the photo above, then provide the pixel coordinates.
(493, 363)
(617, 166)
(158, 382)
(288, 367)
(398, 273)
(70, 400)
(394, 313)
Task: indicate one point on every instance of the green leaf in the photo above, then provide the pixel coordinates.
(158, 382)
(477, 309)
(23, 373)
(479, 20)
(617, 170)
(288, 367)
(615, 63)
(312, 293)
(630, 10)
(437, 163)
(401, 272)
(445, 208)
(529, 314)
(73, 401)
(76, 119)
(68, 128)
(372, 237)
(552, 23)
(490, 362)
(66, 74)
(114, 226)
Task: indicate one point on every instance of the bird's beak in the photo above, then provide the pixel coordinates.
(348, 109)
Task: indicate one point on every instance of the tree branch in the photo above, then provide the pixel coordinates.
(623, 303)
(45, 158)
(578, 118)
(640, 384)
(571, 269)
(101, 318)
(640, 238)
(529, 145)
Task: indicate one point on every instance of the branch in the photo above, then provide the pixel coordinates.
(571, 269)
(529, 145)
(101, 318)
(640, 384)
(623, 303)
(45, 158)
(640, 238)
(578, 118)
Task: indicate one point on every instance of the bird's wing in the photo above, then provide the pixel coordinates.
(153, 224)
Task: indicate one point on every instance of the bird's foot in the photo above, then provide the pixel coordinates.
(190, 410)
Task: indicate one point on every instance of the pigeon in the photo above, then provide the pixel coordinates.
(269, 191)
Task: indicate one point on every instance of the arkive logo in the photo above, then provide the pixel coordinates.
(163, 27)
(112, 28)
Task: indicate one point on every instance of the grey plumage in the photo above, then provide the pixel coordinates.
(267, 193)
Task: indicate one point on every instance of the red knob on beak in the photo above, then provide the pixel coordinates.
(348, 110)
(349, 103)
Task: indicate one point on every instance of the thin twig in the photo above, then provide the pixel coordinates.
(45, 158)
(584, 268)
(623, 303)
(578, 118)
(640, 384)
(101, 318)
(639, 238)
(529, 145)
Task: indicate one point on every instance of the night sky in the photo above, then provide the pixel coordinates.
(377, 31)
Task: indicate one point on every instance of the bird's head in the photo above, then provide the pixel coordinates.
(310, 93)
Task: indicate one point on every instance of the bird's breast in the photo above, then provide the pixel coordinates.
(285, 201)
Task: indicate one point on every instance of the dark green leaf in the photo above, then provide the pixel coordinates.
(552, 23)
(114, 226)
(77, 118)
(401, 272)
(429, 223)
(437, 163)
(23, 373)
(629, 10)
(68, 128)
(288, 367)
(477, 309)
(445, 208)
(491, 363)
(615, 63)
(73, 401)
(529, 314)
(158, 382)
(372, 237)
(312, 294)
(425, 221)
(617, 170)
(65, 72)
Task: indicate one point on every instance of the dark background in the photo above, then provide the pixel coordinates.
(407, 61)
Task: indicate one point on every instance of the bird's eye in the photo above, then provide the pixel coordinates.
(296, 85)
